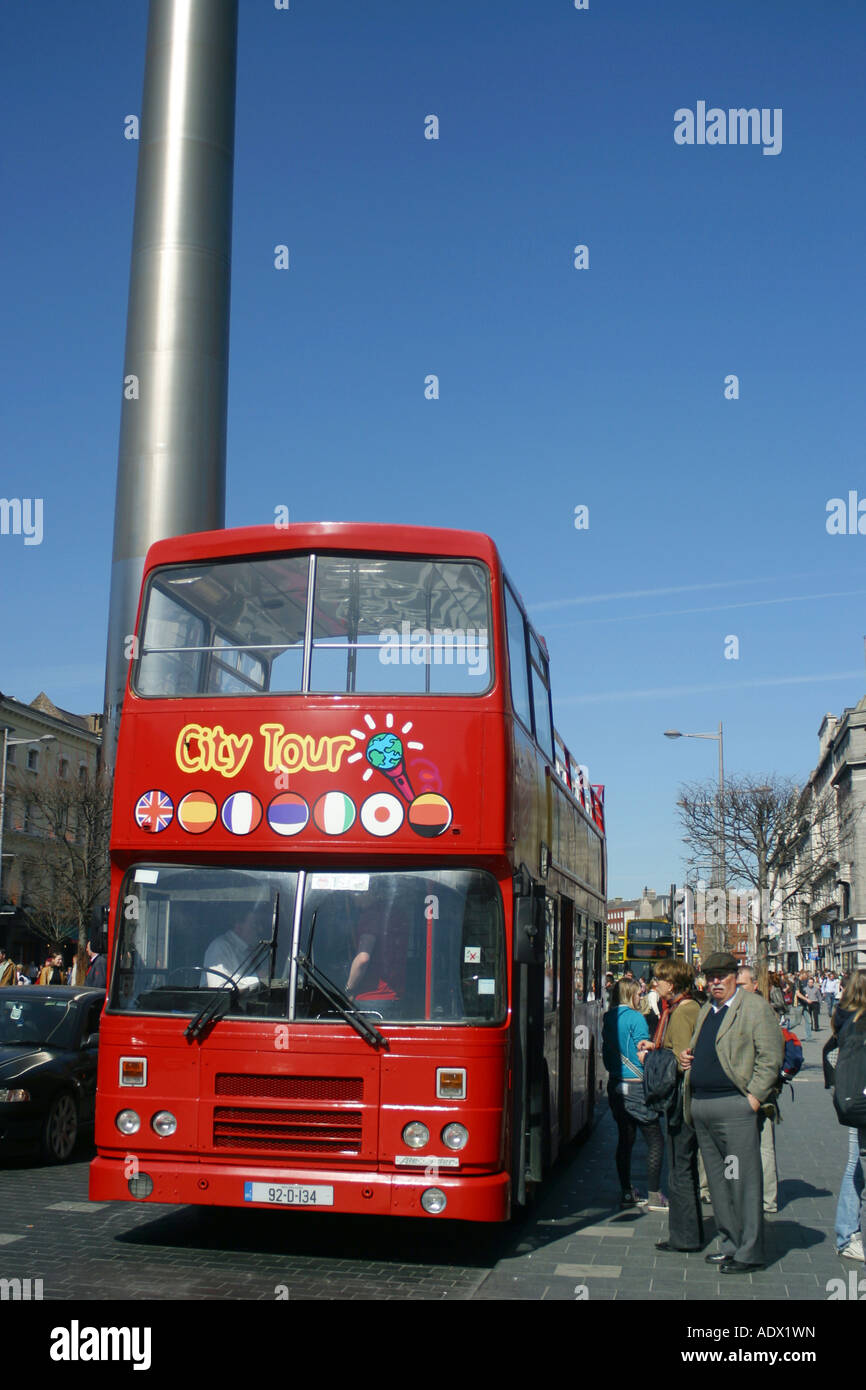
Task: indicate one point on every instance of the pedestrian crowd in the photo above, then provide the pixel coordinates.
(696, 1066)
(88, 969)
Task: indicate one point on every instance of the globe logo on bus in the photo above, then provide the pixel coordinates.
(385, 753)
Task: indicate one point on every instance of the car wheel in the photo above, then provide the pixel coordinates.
(61, 1129)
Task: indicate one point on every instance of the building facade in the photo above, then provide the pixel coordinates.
(823, 924)
(42, 742)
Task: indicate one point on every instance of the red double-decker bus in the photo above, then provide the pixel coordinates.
(356, 897)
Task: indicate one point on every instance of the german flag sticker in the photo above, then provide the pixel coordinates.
(430, 815)
(197, 812)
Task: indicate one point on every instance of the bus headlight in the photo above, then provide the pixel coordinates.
(164, 1123)
(433, 1200)
(455, 1136)
(415, 1135)
(128, 1122)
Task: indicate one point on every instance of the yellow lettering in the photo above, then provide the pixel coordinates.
(272, 733)
(303, 752)
(340, 744)
(202, 749)
(188, 753)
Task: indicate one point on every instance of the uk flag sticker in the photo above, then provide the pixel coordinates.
(154, 811)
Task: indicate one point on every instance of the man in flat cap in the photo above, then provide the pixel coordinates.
(732, 1067)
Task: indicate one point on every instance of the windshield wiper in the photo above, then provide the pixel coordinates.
(213, 1009)
(343, 1004)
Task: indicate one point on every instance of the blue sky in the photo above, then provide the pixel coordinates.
(558, 387)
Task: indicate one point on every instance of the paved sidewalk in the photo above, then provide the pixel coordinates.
(579, 1245)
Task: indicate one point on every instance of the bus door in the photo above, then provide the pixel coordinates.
(566, 1017)
(528, 1078)
(551, 1069)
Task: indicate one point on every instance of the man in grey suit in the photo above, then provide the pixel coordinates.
(732, 1067)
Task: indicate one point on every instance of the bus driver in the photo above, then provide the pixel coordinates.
(227, 953)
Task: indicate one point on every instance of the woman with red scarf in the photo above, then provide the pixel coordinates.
(674, 981)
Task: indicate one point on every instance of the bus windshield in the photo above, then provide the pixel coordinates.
(377, 626)
(410, 946)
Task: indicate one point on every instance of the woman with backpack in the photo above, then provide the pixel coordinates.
(850, 1013)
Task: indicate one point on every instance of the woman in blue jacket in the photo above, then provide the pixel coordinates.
(623, 1031)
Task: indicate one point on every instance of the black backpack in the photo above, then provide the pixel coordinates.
(849, 1097)
(660, 1075)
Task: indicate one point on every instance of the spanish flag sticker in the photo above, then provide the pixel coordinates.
(197, 812)
(430, 815)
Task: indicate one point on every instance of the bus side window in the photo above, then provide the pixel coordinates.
(579, 959)
(551, 937)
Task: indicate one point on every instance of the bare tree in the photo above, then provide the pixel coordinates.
(69, 878)
(779, 837)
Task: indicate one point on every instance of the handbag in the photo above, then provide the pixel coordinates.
(632, 1094)
(660, 1071)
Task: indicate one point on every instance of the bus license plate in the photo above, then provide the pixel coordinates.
(283, 1194)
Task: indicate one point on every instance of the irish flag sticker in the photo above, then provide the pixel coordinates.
(241, 813)
(334, 813)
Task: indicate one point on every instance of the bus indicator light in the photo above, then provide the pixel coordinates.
(451, 1083)
(133, 1071)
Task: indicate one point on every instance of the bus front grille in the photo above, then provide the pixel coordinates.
(287, 1131)
(290, 1087)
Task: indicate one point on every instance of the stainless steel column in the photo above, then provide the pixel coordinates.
(172, 457)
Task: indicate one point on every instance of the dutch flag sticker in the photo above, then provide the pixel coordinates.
(288, 814)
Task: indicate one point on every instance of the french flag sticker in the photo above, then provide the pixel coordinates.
(241, 813)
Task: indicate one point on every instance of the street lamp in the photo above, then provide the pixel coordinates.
(675, 733)
(7, 744)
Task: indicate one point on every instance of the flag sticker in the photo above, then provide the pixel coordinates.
(334, 813)
(288, 813)
(241, 813)
(430, 815)
(154, 811)
(197, 812)
(382, 814)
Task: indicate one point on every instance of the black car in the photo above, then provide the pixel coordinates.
(48, 1046)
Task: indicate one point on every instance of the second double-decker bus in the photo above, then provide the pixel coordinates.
(356, 919)
(648, 941)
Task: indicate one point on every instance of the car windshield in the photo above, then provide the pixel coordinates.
(29, 1022)
(411, 946)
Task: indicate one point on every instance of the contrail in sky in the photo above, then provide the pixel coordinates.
(658, 593)
(712, 608)
(664, 692)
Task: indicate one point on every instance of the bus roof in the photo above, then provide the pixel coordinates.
(322, 535)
